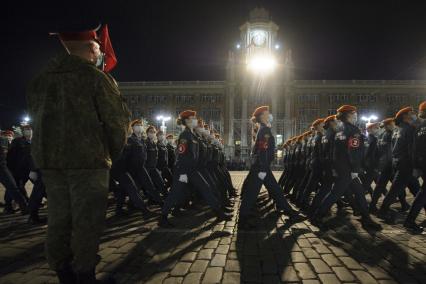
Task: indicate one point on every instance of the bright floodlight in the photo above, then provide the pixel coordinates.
(373, 117)
(364, 118)
(238, 46)
(27, 119)
(160, 117)
(277, 46)
(262, 64)
(167, 118)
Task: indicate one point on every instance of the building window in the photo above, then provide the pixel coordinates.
(211, 99)
(331, 111)
(307, 98)
(395, 98)
(184, 99)
(211, 114)
(156, 99)
(307, 114)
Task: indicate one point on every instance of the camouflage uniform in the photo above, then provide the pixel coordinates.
(80, 125)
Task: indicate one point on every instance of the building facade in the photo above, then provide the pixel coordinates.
(259, 72)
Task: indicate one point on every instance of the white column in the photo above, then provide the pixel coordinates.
(244, 118)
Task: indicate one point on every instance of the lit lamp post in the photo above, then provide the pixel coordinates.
(26, 120)
(163, 120)
(369, 119)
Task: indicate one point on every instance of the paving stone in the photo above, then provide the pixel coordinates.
(191, 278)
(289, 274)
(311, 281)
(231, 277)
(199, 265)
(310, 253)
(190, 257)
(331, 260)
(218, 260)
(232, 265)
(211, 245)
(364, 277)
(304, 271)
(343, 274)
(222, 249)
(205, 254)
(350, 263)
(298, 257)
(213, 275)
(173, 280)
(180, 269)
(329, 278)
(320, 266)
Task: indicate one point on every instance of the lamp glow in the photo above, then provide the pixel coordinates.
(261, 64)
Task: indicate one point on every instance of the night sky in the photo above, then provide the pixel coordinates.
(189, 40)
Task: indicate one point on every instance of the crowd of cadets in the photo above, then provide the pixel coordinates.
(338, 162)
(151, 170)
(333, 162)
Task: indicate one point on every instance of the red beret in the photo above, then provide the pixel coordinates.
(206, 126)
(260, 110)
(403, 111)
(299, 138)
(318, 121)
(372, 124)
(151, 127)
(169, 136)
(160, 132)
(187, 113)
(388, 120)
(422, 106)
(79, 36)
(330, 118)
(136, 121)
(307, 133)
(346, 108)
(7, 133)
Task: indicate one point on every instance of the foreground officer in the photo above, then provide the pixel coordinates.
(419, 153)
(80, 125)
(263, 154)
(348, 156)
(371, 157)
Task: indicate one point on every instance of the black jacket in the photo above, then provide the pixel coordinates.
(402, 147)
(371, 159)
(348, 149)
(19, 159)
(384, 149)
(419, 146)
(263, 152)
(152, 154)
(162, 161)
(187, 152)
(171, 156)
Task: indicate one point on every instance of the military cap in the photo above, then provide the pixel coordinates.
(187, 113)
(7, 133)
(422, 106)
(330, 118)
(258, 111)
(403, 111)
(136, 121)
(160, 132)
(372, 124)
(217, 135)
(318, 121)
(388, 120)
(299, 138)
(346, 108)
(206, 126)
(169, 136)
(151, 127)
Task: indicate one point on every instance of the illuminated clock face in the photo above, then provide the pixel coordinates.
(259, 37)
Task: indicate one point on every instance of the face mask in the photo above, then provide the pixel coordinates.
(161, 137)
(151, 135)
(193, 123)
(414, 117)
(170, 141)
(137, 129)
(28, 133)
(270, 118)
(9, 138)
(100, 60)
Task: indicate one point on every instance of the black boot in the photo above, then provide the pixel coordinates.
(413, 227)
(90, 278)
(222, 216)
(66, 276)
(165, 223)
(34, 219)
(24, 208)
(8, 210)
(404, 207)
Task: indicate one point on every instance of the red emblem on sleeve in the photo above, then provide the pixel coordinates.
(262, 145)
(182, 148)
(353, 142)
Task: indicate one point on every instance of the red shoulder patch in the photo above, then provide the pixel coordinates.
(353, 142)
(182, 148)
(262, 145)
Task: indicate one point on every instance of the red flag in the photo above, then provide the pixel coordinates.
(106, 48)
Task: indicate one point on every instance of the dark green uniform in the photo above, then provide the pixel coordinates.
(80, 125)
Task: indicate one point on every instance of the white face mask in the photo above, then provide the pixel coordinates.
(151, 135)
(137, 129)
(199, 130)
(28, 133)
(170, 141)
(270, 118)
(192, 123)
(9, 138)
(161, 138)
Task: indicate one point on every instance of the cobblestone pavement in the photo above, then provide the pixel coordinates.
(135, 250)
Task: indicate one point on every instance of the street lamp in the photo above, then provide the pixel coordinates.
(163, 120)
(369, 118)
(26, 120)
